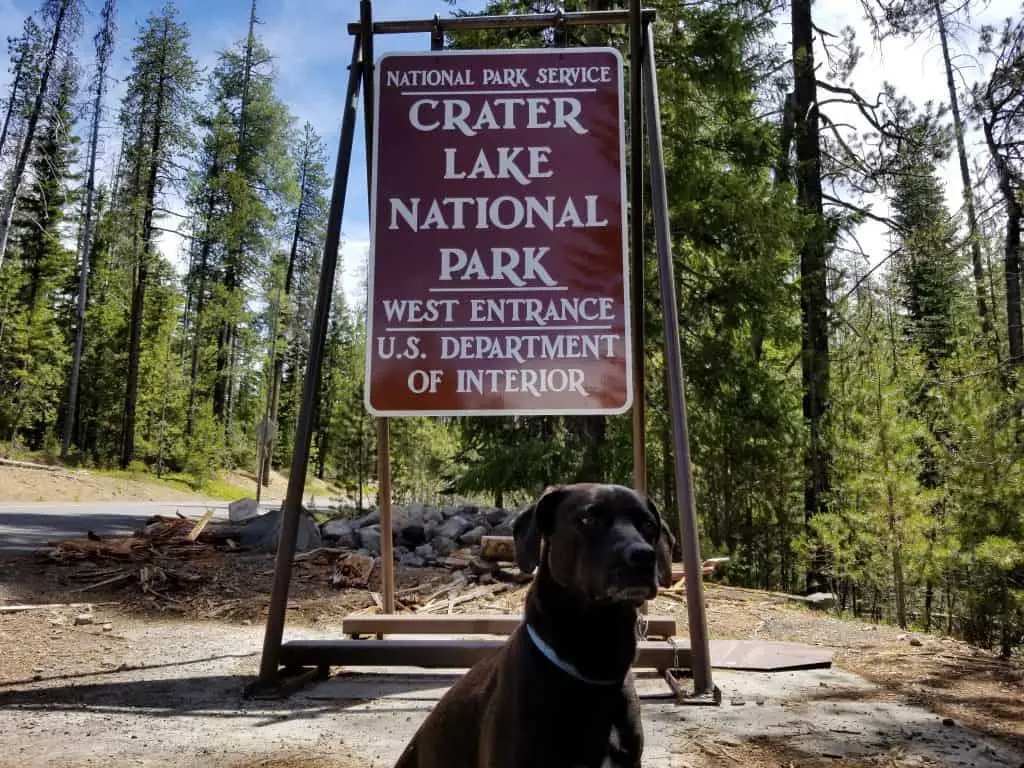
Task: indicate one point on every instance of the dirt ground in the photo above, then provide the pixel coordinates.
(32, 485)
(19, 485)
(174, 650)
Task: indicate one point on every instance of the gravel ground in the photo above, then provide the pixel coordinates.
(153, 676)
(91, 688)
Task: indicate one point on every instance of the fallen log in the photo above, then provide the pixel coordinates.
(32, 465)
(498, 549)
(5, 609)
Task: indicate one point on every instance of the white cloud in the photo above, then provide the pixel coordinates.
(354, 255)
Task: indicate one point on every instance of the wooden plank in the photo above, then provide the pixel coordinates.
(203, 522)
(745, 655)
(436, 654)
(464, 624)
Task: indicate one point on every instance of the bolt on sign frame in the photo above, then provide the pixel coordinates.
(644, 106)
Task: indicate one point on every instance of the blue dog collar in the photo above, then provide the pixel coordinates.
(565, 666)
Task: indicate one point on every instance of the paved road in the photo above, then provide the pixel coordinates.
(26, 527)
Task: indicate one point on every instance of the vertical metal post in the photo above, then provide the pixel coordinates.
(269, 662)
(636, 222)
(387, 548)
(437, 34)
(695, 608)
(560, 38)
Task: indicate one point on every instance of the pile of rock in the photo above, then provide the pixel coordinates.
(422, 535)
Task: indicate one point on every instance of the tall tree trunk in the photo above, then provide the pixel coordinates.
(19, 70)
(139, 294)
(243, 110)
(1012, 248)
(220, 384)
(900, 586)
(813, 276)
(7, 211)
(965, 179)
(200, 299)
(226, 339)
(274, 396)
(104, 47)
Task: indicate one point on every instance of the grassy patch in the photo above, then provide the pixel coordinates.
(215, 489)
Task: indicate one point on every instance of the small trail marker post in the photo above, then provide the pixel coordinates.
(499, 279)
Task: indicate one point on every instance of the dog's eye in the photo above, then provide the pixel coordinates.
(586, 522)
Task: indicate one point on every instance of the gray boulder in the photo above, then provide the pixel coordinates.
(412, 535)
(262, 533)
(443, 546)
(341, 532)
(412, 560)
(496, 516)
(453, 527)
(433, 515)
(243, 510)
(370, 518)
(821, 600)
(369, 538)
(473, 536)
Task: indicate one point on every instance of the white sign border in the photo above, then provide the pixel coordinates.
(626, 272)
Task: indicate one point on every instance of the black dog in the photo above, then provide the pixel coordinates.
(559, 693)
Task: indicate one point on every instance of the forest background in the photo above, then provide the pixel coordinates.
(846, 187)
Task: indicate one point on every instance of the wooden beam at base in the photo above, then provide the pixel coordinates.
(464, 624)
(439, 653)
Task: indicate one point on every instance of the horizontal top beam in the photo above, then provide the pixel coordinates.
(512, 21)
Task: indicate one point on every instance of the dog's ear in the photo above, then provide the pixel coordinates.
(664, 547)
(532, 524)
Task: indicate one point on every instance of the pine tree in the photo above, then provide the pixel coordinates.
(64, 18)
(156, 116)
(999, 104)
(877, 524)
(35, 340)
(913, 18)
(253, 126)
(309, 219)
(21, 49)
(104, 42)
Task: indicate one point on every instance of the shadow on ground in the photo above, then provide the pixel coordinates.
(216, 696)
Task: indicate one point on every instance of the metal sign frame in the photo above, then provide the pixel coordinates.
(644, 106)
(622, 300)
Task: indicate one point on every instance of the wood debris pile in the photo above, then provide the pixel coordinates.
(163, 537)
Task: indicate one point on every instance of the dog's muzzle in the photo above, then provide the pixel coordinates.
(634, 577)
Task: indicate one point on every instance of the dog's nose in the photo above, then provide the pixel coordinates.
(640, 555)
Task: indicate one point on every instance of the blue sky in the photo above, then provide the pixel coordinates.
(310, 42)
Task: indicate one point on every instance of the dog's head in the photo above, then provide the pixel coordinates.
(607, 542)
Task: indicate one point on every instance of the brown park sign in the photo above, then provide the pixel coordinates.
(498, 263)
